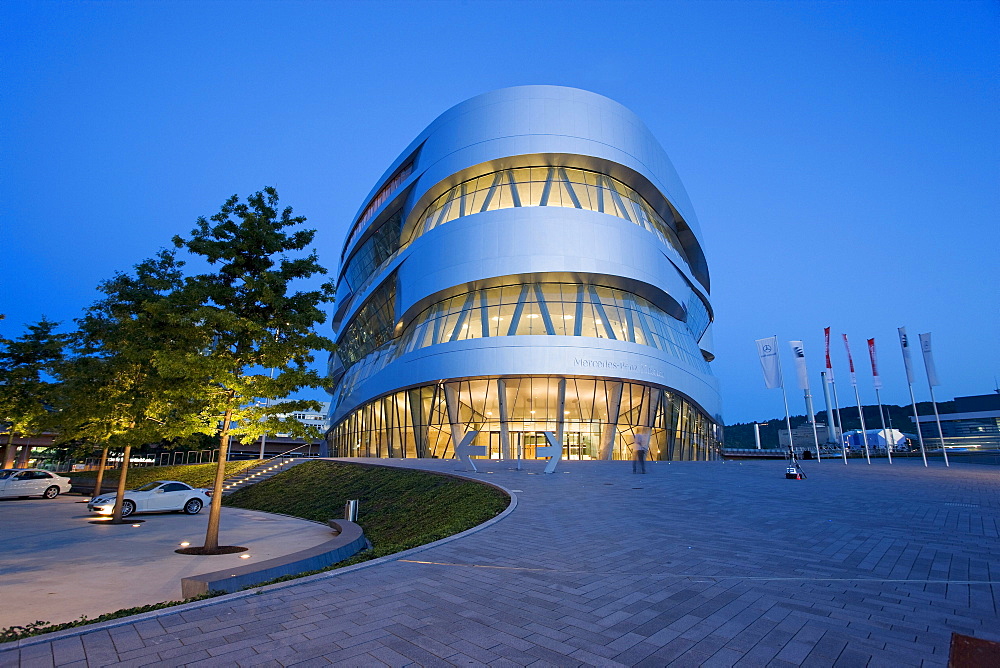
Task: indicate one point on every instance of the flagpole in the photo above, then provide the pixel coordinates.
(932, 380)
(916, 419)
(885, 435)
(836, 411)
(788, 424)
(937, 418)
(812, 419)
(904, 346)
(857, 395)
(770, 362)
(877, 382)
(864, 432)
(832, 427)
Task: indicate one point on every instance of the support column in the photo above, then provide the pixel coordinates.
(504, 427)
(561, 414)
(611, 428)
(457, 429)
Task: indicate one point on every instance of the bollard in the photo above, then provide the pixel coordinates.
(351, 510)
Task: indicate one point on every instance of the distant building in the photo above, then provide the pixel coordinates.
(276, 444)
(974, 423)
(803, 436)
(877, 440)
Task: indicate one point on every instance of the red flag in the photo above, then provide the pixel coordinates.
(826, 333)
(871, 354)
(850, 360)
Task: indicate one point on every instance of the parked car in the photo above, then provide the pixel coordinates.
(155, 497)
(32, 482)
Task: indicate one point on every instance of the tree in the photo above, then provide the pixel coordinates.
(257, 322)
(129, 383)
(27, 388)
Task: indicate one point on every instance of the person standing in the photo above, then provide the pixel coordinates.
(640, 444)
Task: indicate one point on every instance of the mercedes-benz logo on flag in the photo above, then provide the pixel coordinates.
(767, 348)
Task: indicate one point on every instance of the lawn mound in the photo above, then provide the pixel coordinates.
(398, 508)
(196, 475)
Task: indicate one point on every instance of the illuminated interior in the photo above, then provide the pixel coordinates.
(546, 186)
(597, 418)
(563, 309)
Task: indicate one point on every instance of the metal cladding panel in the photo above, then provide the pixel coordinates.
(538, 356)
(535, 240)
(546, 119)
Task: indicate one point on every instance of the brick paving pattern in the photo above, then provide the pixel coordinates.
(694, 564)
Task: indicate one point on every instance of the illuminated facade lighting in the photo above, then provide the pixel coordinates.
(530, 263)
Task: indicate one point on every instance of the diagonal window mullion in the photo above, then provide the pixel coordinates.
(491, 192)
(462, 316)
(602, 313)
(543, 308)
(569, 189)
(484, 313)
(616, 196)
(629, 324)
(547, 189)
(516, 318)
(655, 342)
(515, 195)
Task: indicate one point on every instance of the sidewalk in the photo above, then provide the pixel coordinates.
(694, 564)
(58, 566)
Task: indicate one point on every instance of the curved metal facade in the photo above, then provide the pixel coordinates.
(530, 263)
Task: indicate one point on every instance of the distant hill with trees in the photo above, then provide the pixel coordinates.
(740, 435)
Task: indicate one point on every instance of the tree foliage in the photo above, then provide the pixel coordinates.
(257, 321)
(27, 388)
(126, 383)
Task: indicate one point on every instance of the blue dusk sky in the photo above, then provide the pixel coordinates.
(843, 157)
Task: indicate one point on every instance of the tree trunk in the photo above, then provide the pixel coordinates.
(117, 517)
(25, 457)
(215, 511)
(100, 472)
(8, 455)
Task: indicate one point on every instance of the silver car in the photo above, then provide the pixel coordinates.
(154, 497)
(32, 482)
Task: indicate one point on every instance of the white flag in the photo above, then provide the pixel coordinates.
(904, 343)
(769, 362)
(798, 353)
(925, 346)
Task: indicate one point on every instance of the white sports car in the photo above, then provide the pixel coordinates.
(32, 482)
(155, 497)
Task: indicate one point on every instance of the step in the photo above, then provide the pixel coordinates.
(258, 473)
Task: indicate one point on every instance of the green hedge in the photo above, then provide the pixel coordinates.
(196, 475)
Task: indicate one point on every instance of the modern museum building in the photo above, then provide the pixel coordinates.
(529, 263)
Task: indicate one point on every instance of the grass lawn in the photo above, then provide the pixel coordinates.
(196, 475)
(398, 509)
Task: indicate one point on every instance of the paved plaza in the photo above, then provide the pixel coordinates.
(58, 566)
(693, 564)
